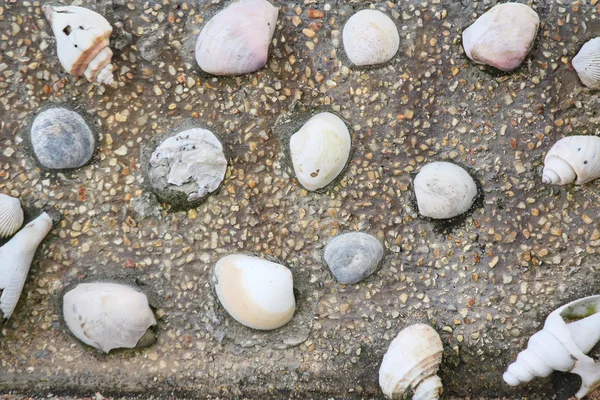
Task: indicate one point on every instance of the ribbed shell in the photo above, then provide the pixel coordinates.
(370, 37)
(580, 153)
(11, 215)
(587, 63)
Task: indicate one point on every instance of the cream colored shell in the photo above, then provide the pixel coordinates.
(573, 159)
(587, 63)
(11, 215)
(370, 37)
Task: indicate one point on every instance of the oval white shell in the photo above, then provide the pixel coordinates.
(82, 41)
(574, 158)
(107, 315)
(444, 190)
(569, 333)
(411, 363)
(370, 37)
(502, 36)
(15, 260)
(587, 63)
(11, 215)
(320, 150)
(236, 40)
(256, 292)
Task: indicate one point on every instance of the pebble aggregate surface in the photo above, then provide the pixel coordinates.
(485, 283)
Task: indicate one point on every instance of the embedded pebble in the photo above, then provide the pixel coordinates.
(352, 257)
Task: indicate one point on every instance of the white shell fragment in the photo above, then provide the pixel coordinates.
(573, 159)
(587, 63)
(320, 150)
(569, 333)
(353, 256)
(191, 162)
(444, 190)
(370, 37)
(109, 316)
(411, 363)
(82, 40)
(255, 292)
(502, 36)
(11, 215)
(236, 40)
(15, 259)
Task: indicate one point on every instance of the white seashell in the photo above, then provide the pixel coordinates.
(502, 36)
(569, 333)
(320, 150)
(411, 363)
(573, 159)
(109, 316)
(15, 259)
(444, 190)
(370, 37)
(256, 292)
(11, 215)
(587, 63)
(236, 40)
(82, 40)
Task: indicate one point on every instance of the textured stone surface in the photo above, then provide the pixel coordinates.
(352, 257)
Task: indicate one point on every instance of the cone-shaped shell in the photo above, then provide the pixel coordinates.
(320, 150)
(411, 363)
(15, 260)
(370, 37)
(109, 316)
(587, 63)
(256, 292)
(82, 41)
(573, 159)
(11, 215)
(236, 40)
(502, 36)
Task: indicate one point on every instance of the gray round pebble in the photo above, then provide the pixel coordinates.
(352, 257)
(61, 139)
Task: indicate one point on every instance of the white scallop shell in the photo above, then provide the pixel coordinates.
(411, 363)
(11, 215)
(569, 333)
(587, 63)
(15, 259)
(236, 40)
(444, 190)
(502, 36)
(256, 292)
(370, 37)
(109, 316)
(574, 158)
(82, 41)
(320, 150)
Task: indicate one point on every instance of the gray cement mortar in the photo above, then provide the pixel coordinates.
(486, 284)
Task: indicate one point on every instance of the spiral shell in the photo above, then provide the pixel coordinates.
(82, 40)
(11, 215)
(569, 333)
(411, 363)
(587, 63)
(574, 158)
(370, 37)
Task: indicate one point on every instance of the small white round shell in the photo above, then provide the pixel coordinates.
(370, 37)
(444, 190)
(11, 215)
(255, 292)
(573, 159)
(587, 63)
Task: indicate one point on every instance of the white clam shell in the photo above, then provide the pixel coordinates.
(108, 315)
(370, 37)
(502, 36)
(15, 260)
(320, 150)
(569, 333)
(236, 40)
(587, 63)
(11, 215)
(82, 41)
(573, 159)
(444, 190)
(411, 363)
(256, 292)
